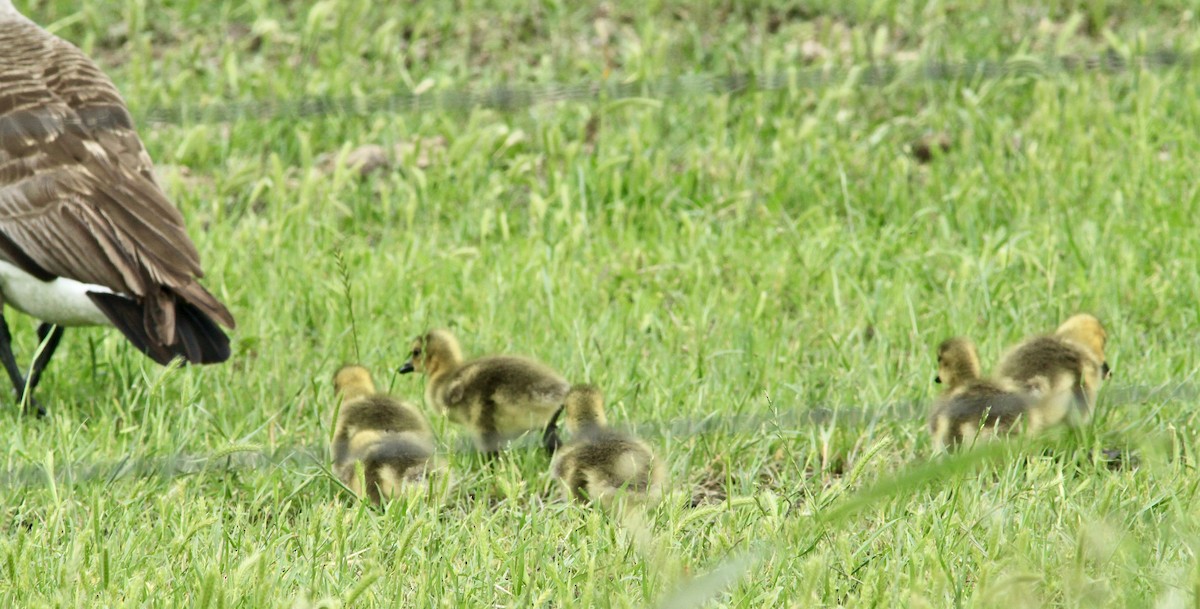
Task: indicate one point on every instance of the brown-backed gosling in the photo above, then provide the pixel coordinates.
(1072, 359)
(389, 437)
(601, 464)
(497, 397)
(973, 408)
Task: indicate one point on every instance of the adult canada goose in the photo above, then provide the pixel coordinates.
(87, 236)
(601, 464)
(389, 437)
(498, 397)
(1071, 358)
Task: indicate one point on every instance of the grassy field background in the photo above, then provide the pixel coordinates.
(756, 280)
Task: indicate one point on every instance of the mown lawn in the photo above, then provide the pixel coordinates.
(756, 279)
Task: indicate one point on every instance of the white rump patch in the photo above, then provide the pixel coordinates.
(60, 301)
(7, 11)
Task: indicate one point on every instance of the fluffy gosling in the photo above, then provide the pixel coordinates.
(601, 464)
(389, 437)
(973, 408)
(498, 397)
(1070, 360)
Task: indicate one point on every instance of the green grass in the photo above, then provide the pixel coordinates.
(757, 281)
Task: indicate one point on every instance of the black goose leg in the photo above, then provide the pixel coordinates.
(43, 358)
(13, 370)
(7, 358)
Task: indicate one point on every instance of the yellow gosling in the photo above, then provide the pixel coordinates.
(498, 397)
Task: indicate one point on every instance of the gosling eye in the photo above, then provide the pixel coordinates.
(417, 352)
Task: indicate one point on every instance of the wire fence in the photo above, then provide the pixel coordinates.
(779, 424)
(507, 98)
(33, 123)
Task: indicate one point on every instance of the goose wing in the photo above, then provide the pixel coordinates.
(78, 196)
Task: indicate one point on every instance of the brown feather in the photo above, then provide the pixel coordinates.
(78, 196)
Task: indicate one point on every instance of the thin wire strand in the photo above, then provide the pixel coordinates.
(776, 424)
(508, 98)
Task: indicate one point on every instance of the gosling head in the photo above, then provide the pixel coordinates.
(1088, 331)
(958, 362)
(434, 352)
(353, 381)
(584, 409)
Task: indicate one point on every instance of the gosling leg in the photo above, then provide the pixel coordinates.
(551, 440)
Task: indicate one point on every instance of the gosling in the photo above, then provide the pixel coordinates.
(498, 397)
(1072, 359)
(389, 437)
(973, 408)
(601, 464)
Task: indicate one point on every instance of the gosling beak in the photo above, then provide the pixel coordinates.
(406, 368)
(938, 379)
(1105, 371)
